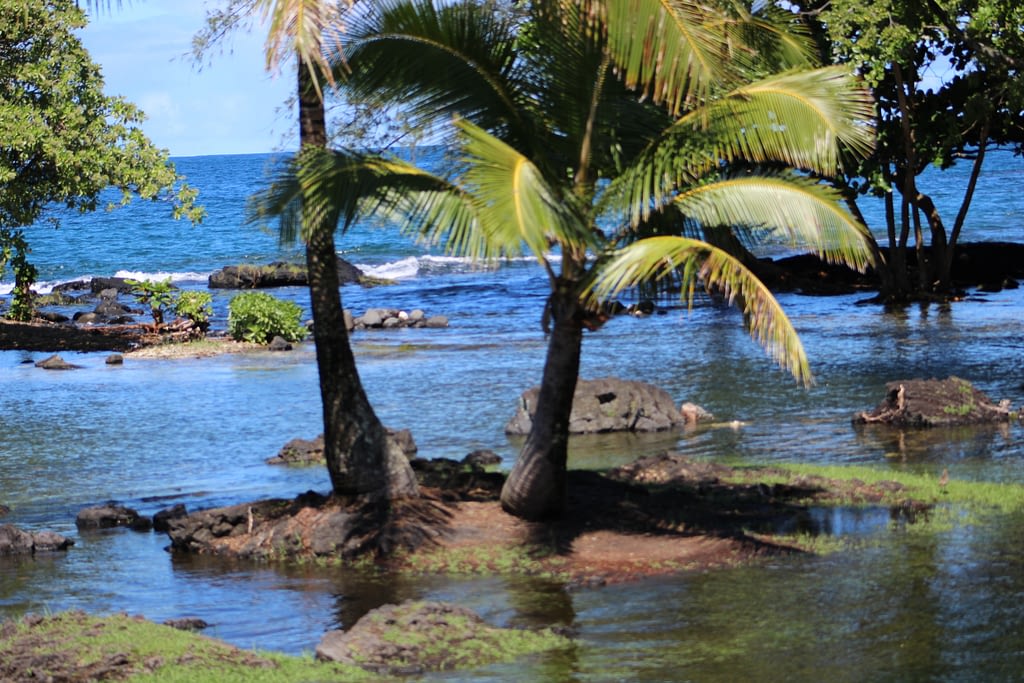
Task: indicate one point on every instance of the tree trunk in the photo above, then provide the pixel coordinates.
(536, 487)
(361, 457)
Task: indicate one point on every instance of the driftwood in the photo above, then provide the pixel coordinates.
(936, 402)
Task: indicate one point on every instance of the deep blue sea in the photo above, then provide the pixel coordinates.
(152, 433)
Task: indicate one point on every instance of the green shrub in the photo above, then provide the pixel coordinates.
(156, 295)
(259, 317)
(196, 306)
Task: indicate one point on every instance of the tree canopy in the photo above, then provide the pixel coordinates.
(62, 140)
(946, 79)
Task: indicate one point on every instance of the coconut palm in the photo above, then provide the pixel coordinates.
(361, 457)
(580, 126)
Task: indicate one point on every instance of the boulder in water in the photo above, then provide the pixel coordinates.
(15, 541)
(607, 405)
(934, 403)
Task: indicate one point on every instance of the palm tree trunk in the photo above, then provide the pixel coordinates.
(361, 457)
(536, 487)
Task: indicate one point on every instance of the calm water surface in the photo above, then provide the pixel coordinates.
(906, 606)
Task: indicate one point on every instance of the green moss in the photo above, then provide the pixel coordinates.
(370, 281)
(121, 646)
(452, 641)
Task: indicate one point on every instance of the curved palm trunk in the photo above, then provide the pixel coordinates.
(361, 457)
(536, 487)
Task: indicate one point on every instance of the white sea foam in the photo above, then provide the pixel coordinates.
(161, 275)
(404, 269)
(39, 288)
(415, 266)
(46, 287)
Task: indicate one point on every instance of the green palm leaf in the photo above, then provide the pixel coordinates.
(804, 119)
(665, 48)
(692, 260)
(808, 120)
(307, 28)
(515, 204)
(439, 61)
(805, 213)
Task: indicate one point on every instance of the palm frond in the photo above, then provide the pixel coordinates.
(808, 120)
(776, 38)
(666, 48)
(515, 204)
(437, 60)
(804, 119)
(694, 261)
(806, 213)
(306, 28)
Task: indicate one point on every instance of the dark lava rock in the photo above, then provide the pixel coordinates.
(55, 362)
(52, 316)
(607, 405)
(482, 458)
(271, 528)
(392, 318)
(120, 284)
(300, 451)
(115, 359)
(111, 515)
(669, 468)
(457, 480)
(276, 274)
(15, 541)
(935, 402)
(162, 519)
(279, 343)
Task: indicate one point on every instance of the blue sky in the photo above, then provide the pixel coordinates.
(230, 106)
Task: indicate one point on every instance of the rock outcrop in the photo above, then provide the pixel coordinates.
(55, 362)
(276, 274)
(607, 405)
(301, 451)
(414, 637)
(934, 403)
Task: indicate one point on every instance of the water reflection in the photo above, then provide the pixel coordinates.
(937, 444)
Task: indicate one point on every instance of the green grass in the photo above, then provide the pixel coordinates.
(150, 652)
(995, 496)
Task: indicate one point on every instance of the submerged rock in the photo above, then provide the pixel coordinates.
(935, 402)
(111, 515)
(55, 362)
(607, 405)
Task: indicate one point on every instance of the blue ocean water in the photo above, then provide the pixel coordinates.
(141, 239)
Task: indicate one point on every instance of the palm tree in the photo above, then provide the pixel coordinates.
(361, 457)
(583, 125)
